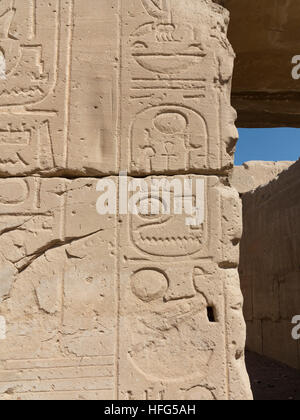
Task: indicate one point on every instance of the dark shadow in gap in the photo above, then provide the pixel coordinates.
(271, 380)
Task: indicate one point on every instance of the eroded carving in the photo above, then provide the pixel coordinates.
(28, 76)
(163, 341)
(33, 88)
(56, 302)
(168, 138)
(174, 64)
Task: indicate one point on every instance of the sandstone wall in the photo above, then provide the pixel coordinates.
(117, 306)
(254, 174)
(265, 37)
(269, 266)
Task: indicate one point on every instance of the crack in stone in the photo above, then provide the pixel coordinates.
(52, 245)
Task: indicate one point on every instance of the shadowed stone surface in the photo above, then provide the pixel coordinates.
(271, 380)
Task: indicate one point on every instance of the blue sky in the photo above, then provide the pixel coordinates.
(268, 144)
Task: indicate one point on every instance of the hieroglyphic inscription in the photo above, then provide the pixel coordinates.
(172, 302)
(177, 282)
(34, 84)
(57, 291)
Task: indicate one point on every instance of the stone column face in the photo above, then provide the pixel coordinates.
(270, 279)
(126, 306)
(35, 45)
(108, 85)
(182, 333)
(175, 62)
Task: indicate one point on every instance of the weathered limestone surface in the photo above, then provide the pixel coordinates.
(92, 87)
(265, 36)
(126, 307)
(171, 277)
(254, 174)
(59, 295)
(269, 267)
(87, 318)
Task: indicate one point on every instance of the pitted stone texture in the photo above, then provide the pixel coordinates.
(254, 174)
(269, 267)
(34, 89)
(271, 44)
(181, 308)
(57, 103)
(105, 85)
(176, 76)
(144, 310)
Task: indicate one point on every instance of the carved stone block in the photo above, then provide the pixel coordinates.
(143, 308)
